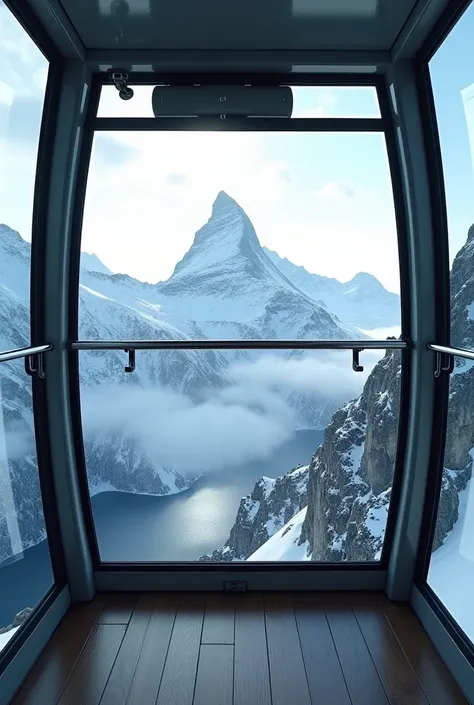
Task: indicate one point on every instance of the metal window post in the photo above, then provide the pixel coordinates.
(411, 150)
(63, 158)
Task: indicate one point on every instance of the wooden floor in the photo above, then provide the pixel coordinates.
(251, 649)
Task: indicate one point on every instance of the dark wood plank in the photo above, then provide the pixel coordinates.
(432, 673)
(118, 685)
(287, 671)
(47, 678)
(396, 674)
(89, 677)
(251, 672)
(214, 682)
(339, 598)
(147, 677)
(179, 674)
(118, 608)
(323, 670)
(218, 625)
(363, 682)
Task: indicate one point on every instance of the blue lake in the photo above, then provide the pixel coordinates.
(178, 527)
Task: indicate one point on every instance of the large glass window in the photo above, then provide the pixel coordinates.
(212, 454)
(240, 455)
(23, 74)
(25, 566)
(239, 235)
(451, 571)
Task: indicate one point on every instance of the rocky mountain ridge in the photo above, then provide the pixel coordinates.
(348, 300)
(271, 504)
(241, 294)
(350, 476)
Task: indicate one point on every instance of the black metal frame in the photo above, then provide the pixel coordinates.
(73, 318)
(22, 13)
(38, 249)
(384, 125)
(443, 321)
(405, 293)
(234, 124)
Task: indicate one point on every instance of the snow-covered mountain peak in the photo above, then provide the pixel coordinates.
(226, 275)
(223, 200)
(364, 282)
(11, 241)
(227, 236)
(364, 278)
(7, 232)
(93, 264)
(362, 301)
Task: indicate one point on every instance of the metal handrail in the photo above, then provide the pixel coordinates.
(455, 352)
(239, 344)
(24, 352)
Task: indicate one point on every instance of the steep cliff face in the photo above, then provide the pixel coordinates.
(462, 295)
(458, 459)
(262, 513)
(350, 476)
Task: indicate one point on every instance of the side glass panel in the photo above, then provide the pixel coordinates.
(451, 572)
(25, 566)
(240, 455)
(239, 235)
(23, 75)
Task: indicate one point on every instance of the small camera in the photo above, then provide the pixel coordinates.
(120, 80)
(126, 93)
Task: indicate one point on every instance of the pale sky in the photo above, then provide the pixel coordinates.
(322, 200)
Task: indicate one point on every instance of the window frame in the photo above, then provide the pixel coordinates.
(442, 303)
(383, 124)
(22, 13)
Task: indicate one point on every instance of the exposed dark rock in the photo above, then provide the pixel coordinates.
(350, 475)
(20, 618)
(270, 506)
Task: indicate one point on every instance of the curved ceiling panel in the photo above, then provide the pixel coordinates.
(247, 24)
